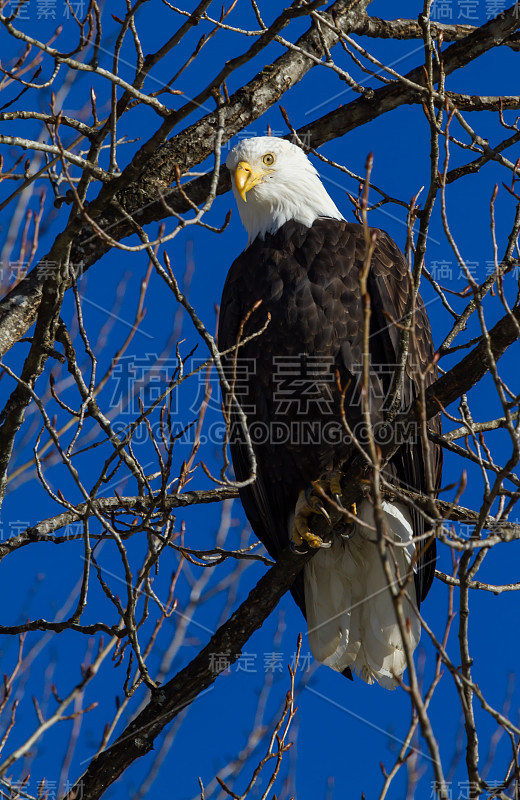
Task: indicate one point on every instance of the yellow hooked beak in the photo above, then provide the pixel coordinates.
(246, 178)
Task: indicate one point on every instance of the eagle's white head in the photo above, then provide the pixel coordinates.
(273, 182)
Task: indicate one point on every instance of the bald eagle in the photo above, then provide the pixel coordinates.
(293, 298)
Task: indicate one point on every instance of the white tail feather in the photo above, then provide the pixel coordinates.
(350, 613)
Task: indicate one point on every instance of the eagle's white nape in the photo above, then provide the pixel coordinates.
(290, 190)
(350, 613)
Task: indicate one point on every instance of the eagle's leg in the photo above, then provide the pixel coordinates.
(334, 485)
(308, 503)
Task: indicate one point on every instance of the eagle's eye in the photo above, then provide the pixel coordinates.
(268, 159)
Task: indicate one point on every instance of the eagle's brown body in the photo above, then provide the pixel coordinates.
(288, 378)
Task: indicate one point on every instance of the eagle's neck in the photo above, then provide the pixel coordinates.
(273, 205)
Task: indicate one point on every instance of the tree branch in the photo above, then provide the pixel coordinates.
(190, 147)
(169, 700)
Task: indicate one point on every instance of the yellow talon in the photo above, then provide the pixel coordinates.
(305, 506)
(310, 502)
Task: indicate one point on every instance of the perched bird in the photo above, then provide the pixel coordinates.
(292, 318)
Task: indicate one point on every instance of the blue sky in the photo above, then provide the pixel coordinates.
(344, 729)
